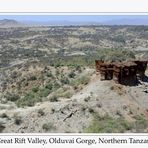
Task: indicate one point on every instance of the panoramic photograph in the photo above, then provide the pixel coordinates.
(73, 73)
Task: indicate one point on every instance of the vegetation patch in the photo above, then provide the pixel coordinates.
(12, 97)
(108, 124)
(64, 92)
(140, 124)
(48, 127)
(81, 81)
(41, 112)
(53, 98)
(28, 100)
(17, 120)
(2, 127)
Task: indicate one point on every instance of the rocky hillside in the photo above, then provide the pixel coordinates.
(48, 81)
(99, 106)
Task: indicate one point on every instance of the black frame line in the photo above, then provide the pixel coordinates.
(81, 134)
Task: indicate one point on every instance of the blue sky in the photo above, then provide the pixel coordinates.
(71, 18)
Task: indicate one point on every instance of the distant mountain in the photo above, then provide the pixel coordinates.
(59, 23)
(10, 23)
(124, 21)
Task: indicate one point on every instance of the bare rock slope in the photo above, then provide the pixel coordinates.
(76, 113)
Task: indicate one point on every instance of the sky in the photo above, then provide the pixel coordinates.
(71, 18)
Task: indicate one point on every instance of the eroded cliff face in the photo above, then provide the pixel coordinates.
(125, 72)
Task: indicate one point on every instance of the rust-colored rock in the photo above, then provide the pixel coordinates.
(126, 72)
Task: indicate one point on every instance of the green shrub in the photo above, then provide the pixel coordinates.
(4, 115)
(41, 112)
(71, 74)
(115, 54)
(81, 81)
(64, 92)
(48, 127)
(67, 94)
(141, 123)
(49, 86)
(91, 110)
(44, 92)
(12, 97)
(64, 80)
(28, 100)
(53, 99)
(34, 96)
(56, 65)
(33, 78)
(57, 72)
(78, 68)
(119, 38)
(108, 124)
(87, 99)
(49, 74)
(56, 85)
(17, 120)
(2, 127)
(35, 89)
